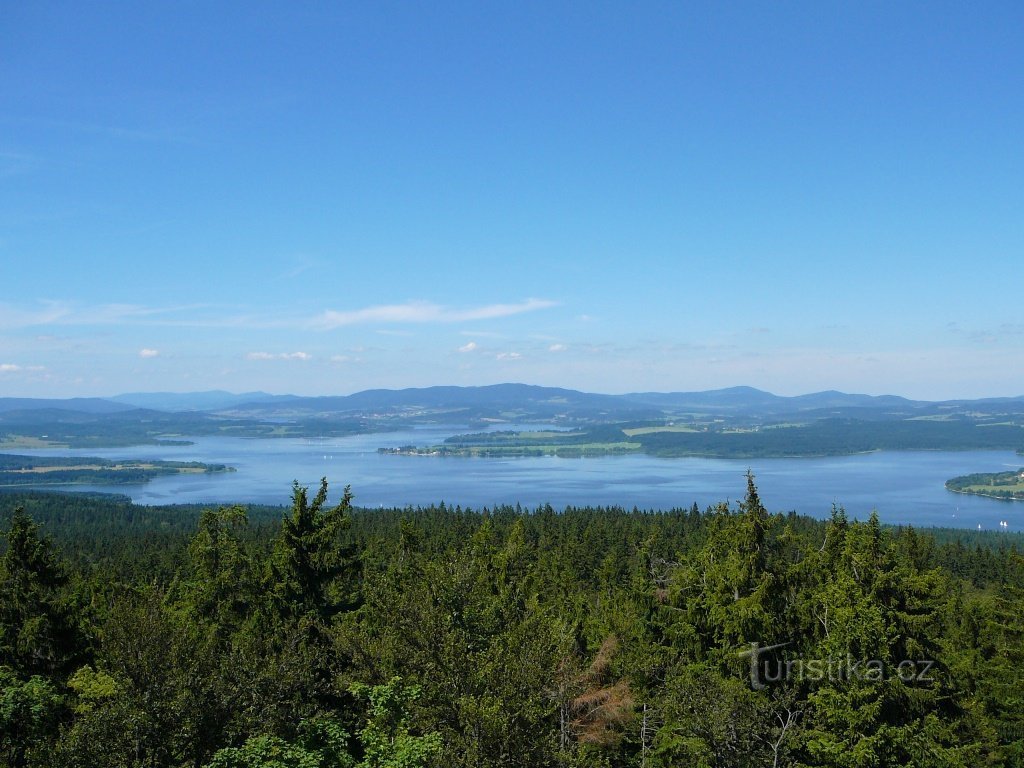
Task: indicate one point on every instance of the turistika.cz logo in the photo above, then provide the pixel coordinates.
(763, 671)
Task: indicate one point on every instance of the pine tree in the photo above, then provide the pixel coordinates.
(313, 570)
(221, 568)
(38, 633)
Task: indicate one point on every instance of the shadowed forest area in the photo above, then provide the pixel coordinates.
(324, 635)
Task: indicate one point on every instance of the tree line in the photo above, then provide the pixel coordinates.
(324, 635)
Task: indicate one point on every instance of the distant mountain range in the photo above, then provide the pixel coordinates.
(212, 400)
(77, 404)
(735, 421)
(512, 397)
(751, 400)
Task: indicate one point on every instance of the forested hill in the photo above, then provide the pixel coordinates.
(740, 421)
(534, 400)
(322, 635)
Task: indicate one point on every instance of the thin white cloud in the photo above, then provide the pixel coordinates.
(182, 315)
(557, 348)
(146, 352)
(49, 312)
(45, 313)
(64, 313)
(470, 347)
(279, 356)
(424, 312)
(508, 356)
(15, 368)
(302, 264)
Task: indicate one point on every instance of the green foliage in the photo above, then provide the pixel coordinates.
(322, 743)
(91, 689)
(386, 738)
(312, 567)
(38, 634)
(468, 629)
(29, 711)
(222, 570)
(594, 637)
(709, 720)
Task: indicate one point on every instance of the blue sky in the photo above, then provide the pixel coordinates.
(322, 198)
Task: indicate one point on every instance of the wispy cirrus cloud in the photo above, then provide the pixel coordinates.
(279, 356)
(16, 368)
(424, 312)
(63, 313)
(52, 312)
(42, 313)
(147, 352)
(301, 264)
(1006, 333)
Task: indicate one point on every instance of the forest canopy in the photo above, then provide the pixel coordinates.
(321, 634)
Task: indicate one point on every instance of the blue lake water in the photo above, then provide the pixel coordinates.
(905, 487)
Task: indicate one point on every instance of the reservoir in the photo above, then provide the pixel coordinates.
(905, 487)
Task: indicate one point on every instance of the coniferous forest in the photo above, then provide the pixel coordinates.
(323, 635)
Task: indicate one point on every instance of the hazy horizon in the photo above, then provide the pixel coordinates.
(127, 393)
(611, 199)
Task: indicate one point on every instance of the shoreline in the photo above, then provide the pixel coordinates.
(985, 495)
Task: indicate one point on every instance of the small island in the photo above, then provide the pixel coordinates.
(37, 471)
(997, 485)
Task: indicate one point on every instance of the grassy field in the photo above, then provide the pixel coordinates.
(541, 435)
(15, 442)
(633, 432)
(987, 487)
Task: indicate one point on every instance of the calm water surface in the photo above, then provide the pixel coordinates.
(905, 487)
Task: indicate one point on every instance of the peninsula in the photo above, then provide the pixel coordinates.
(996, 485)
(39, 471)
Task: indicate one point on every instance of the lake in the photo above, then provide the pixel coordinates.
(905, 487)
